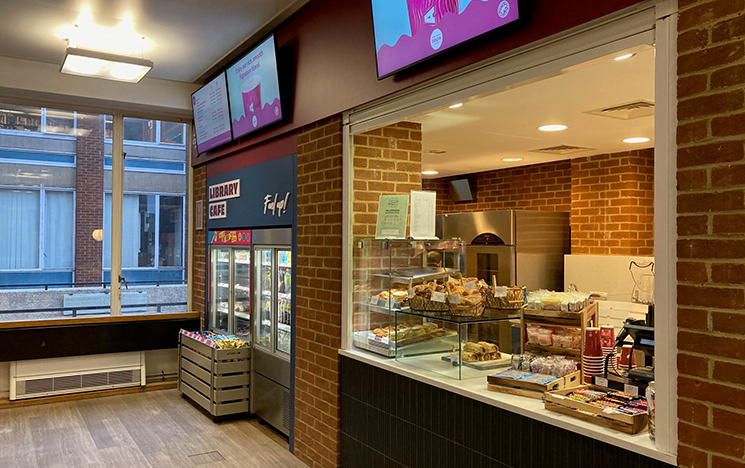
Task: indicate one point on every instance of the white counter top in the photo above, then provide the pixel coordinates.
(528, 407)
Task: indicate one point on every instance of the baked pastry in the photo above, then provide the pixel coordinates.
(475, 348)
(469, 357)
(399, 296)
(489, 347)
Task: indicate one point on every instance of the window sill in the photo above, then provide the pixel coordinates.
(99, 320)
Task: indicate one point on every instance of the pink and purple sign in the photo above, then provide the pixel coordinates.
(231, 237)
(211, 115)
(253, 87)
(408, 31)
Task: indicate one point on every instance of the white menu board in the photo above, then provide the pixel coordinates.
(211, 115)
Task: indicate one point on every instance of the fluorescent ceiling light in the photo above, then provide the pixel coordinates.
(84, 62)
(636, 140)
(455, 106)
(552, 128)
(623, 57)
(430, 172)
(512, 159)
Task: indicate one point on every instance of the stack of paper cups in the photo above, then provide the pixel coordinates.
(607, 344)
(592, 355)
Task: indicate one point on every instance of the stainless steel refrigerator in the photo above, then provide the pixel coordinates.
(273, 309)
(524, 248)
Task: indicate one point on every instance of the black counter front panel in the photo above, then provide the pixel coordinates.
(388, 420)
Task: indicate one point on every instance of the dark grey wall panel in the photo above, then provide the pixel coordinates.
(391, 420)
(18, 344)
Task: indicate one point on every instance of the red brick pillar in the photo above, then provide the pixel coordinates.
(318, 293)
(387, 161)
(711, 234)
(89, 197)
(199, 258)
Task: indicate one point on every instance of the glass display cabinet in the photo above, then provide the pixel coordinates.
(458, 347)
(230, 295)
(274, 299)
(384, 272)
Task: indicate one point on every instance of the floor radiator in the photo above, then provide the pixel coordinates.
(60, 376)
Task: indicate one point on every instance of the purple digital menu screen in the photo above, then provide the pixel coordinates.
(408, 31)
(211, 115)
(253, 87)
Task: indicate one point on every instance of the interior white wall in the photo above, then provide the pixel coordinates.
(602, 273)
(157, 362)
(24, 80)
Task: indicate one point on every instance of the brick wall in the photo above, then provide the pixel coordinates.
(199, 271)
(543, 187)
(711, 234)
(613, 204)
(387, 161)
(318, 293)
(89, 198)
(610, 197)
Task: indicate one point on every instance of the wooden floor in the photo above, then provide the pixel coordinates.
(153, 429)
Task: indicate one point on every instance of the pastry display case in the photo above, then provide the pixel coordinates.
(456, 346)
(384, 273)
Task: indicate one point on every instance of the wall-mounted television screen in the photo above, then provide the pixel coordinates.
(253, 88)
(211, 116)
(409, 31)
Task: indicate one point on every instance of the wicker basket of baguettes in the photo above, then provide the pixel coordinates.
(503, 297)
(464, 297)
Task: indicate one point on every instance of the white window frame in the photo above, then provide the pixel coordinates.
(42, 212)
(653, 21)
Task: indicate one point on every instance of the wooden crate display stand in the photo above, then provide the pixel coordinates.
(529, 389)
(587, 317)
(216, 379)
(630, 424)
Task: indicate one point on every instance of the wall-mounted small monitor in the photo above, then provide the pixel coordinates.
(253, 89)
(409, 31)
(211, 115)
(460, 190)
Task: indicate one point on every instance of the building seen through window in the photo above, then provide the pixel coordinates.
(56, 197)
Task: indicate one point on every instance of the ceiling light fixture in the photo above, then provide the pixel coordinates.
(512, 159)
(84, 62)
(636, 140)
(430, 172)
(455, 106)
(623, 57)
(552, 128)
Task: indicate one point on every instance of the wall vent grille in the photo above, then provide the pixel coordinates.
(628, 111)
(561, 149)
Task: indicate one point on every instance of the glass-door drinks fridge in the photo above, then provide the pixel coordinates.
(230, 283)
(273, 291)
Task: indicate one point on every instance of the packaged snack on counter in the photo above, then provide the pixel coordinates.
(539, 379)
(651, 408)
(558, 366)
(513, 374)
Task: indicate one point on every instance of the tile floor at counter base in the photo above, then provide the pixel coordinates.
(139, 430)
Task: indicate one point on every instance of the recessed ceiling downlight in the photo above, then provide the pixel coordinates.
(512, 159)
(636, 140)
(552, 128)
(623, 57)
(457, 105)
(430, 172)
